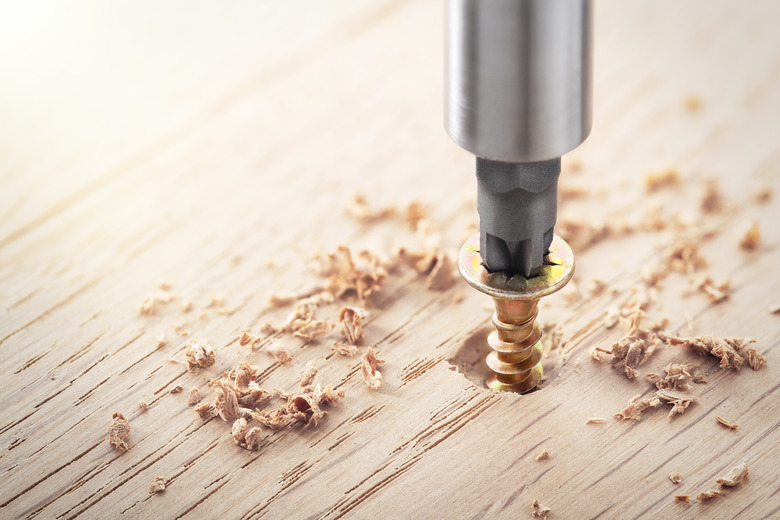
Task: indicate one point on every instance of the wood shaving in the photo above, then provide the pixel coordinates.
(727, 424)
(308, 374)
(763, 195)
(751, 239)
(176, 389)
(368, 365)
(581, 234)
(199, 354)
(679, 400)
(314, 330)
(186, 306)
(637, 405)
(708, 495)
(540, 510)
(544, 455)
(351, 319)
(432, 262)
(727, 349)
(666, 179)
(675, 477)
(193, 397)
(682, 498)
(594, 420)
(236, 392)
(279, 353)
(248, 339)
(683, 255)
(205, 410)
(143, 405)
(716, 292)
(119, 432)
(157, 486)
(712, 200)
(300, 409)
(248, 438)
(754, 359)
(148, 306)
(359, 209)
(636, 346)
(362, 275)
(268, 328)
(677, 376)
(735, 476)
(345, 350)
(161, 341)
(165, 286)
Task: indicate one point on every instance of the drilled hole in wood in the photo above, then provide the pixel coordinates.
(470, 360)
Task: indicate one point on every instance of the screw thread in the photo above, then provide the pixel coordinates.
(516, 360)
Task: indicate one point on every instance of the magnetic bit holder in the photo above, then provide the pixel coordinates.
(516, 359)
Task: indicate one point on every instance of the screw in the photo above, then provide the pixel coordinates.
(516, 360)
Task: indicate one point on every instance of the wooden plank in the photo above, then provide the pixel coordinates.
(231, 161)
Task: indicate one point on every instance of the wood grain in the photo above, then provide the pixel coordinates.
(215, 147)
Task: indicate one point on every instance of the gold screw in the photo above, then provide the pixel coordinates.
(516, 360)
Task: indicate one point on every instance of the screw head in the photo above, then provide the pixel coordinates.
(556, 272)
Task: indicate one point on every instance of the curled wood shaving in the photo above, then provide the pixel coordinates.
(157, 486)
(345, 350)
(751, 238)
(432, 262)
(236, 392)
(194, 396)
(300, 409)
(143, 405)
(368, 365)
(248, 438)
(675, 477)
(176, 389)
(540, 510)
(199, 354)
(727, 424)
(544, 455)
(594, 420)
(314, 330)
(735, 476)
(682, 498)
(637, 405)
(754, 359)
(279, 353)
(351, 319)
(679, 400)
(362, 275)
(248, 339)
(308, 374)
(708, 495)
(712, 200)
(666, 179)
(205, 410)
(727, 349)
(119, 432)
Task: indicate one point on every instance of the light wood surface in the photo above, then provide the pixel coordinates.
(215, 146)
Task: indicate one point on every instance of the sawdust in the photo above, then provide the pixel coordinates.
(708, 495)
(205, 410)
(193, 397)
(351, 319)
(148, 306)
(675, 477)
(754, 359)
(637, 405)
(679, 400)
(736, 475)
(677, 376)
(314, 330)
(308, 374)
(161, 341)
(157, 486)
(176, 389)
(186, 306)
(247, 338)
(119, 432)
(431, 262)
(715, 291)
(665, 179)
(143, 405)
(362, 275)
(594, 420)
(199, 354)
(247, 438)
(682, 498)
(636, 346)
(540, 510)
(543, 455)
(728, 350)
(712, 200)
(725, 423)
(751, 239)
(236, 392)
(368, 365)
(279, 352)
(343, 349)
